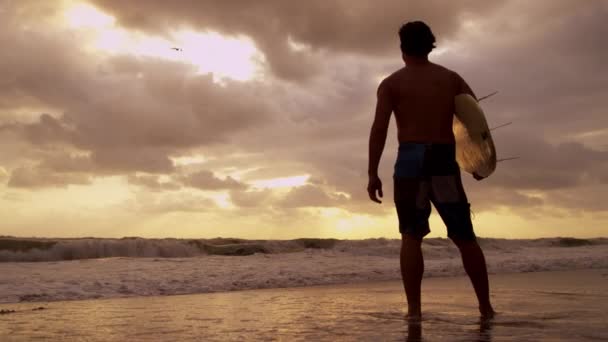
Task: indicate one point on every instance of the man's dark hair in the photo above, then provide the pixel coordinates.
(416, 39)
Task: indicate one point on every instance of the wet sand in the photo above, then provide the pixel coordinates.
(544, 306)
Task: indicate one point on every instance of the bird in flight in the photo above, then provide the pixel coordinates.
(177, 49)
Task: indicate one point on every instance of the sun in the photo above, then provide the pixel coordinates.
(235, 57)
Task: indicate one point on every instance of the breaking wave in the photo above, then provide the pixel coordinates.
(42, 249)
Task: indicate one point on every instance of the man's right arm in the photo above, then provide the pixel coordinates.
(378, 133)
(377, 139)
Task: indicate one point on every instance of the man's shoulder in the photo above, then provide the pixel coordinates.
(389, 80)
(446, 70)
(398, 76)
(395, 74)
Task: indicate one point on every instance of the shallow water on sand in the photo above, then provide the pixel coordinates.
(545, 306)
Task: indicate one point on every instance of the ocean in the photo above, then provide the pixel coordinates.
(43, 270)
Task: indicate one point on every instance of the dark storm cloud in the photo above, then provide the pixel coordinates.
(362, 27)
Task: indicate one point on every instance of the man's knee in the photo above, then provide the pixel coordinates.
(464, 243)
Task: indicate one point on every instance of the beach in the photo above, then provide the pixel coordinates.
(538, 306)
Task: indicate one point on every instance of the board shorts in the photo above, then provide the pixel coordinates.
(425, 174)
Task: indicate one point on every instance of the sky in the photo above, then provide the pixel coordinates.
(256, 125)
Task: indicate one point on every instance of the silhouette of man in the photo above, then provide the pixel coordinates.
(421, 95)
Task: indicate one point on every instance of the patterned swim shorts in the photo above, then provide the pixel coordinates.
(425, 174)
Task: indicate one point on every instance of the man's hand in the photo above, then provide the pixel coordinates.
(477, 177)
(374, 185)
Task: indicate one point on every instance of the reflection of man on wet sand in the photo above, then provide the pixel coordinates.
(421, 95)
(484, 333)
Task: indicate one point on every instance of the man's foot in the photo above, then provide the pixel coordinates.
(487, 312)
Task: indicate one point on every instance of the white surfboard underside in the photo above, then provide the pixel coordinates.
(475, 151)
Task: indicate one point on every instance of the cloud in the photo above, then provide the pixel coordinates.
(153, 182)
(206, 180)
(252, 198)
(91, 114)
(545, 66)
(3, 175)
(368, 28)
(133, 159)
(63, 162)
(545, 166)
(34, 177)
(311, 196)
(125, 122)
(171, 202)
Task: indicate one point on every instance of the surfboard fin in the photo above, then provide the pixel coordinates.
(501, 126)
(487, 96)
(505, 159)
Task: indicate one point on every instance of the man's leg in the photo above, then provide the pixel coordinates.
(412, 268)
(475, 265)
(413, 206)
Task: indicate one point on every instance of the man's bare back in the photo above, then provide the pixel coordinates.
(422, 98)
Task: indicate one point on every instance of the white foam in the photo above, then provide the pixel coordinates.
(191, 271)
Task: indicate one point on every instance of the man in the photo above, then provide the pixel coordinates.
(421, 95)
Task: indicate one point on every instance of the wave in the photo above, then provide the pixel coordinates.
(46, 249)
(143, 267)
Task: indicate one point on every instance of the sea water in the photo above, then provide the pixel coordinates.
(74, 269)
(541, 306)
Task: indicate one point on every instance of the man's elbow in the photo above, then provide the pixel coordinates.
(379, 130)
(377, 135)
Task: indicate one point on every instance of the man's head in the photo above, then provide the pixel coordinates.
(417, 40)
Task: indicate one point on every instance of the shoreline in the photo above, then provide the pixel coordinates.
(296, 287)
(555, 305)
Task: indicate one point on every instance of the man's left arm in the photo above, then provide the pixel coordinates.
(377, 139)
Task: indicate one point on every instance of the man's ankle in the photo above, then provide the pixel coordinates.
(487, 311)
(413, 311)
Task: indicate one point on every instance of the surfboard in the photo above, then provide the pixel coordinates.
(475, 151)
